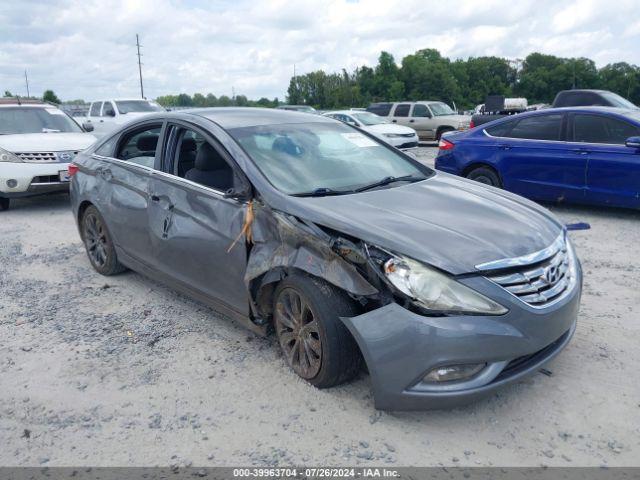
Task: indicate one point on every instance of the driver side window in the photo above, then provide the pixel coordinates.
(420, 110)
(201, 162)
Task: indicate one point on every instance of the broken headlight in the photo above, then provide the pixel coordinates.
(435, 291)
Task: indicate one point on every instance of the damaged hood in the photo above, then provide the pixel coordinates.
(451, 223)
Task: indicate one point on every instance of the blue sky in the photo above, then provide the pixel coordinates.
(86, 49)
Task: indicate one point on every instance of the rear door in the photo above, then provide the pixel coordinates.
(613, 169)
(191, 222)
(535, 161)
(125, 176)
(400, 114)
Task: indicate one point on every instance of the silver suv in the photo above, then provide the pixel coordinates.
(429, 118)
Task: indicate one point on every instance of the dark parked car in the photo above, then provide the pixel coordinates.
(591, 98)
(307, 226)
(583, 155)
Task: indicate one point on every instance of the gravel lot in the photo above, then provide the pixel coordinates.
(122, 371)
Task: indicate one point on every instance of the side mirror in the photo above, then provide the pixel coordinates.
(111, 113)
(87, 127)
(241, 192)
(633, 142)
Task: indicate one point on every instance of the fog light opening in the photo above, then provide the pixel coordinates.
(12, 183)
(452, 373)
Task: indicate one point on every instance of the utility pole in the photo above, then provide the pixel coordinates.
(139, 65)
(26, 80)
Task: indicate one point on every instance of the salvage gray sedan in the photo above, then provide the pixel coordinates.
(348, 249)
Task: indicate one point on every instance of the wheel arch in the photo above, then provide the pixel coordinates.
(473, 166)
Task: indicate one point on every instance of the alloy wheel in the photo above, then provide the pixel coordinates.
(95, 238)
(299, 333)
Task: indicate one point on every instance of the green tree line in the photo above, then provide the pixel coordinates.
(427, 75)
(210, 100)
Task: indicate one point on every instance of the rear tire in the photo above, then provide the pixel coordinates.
(314, 341)
(4, 204)
(441, 131)
(98, 243)
(485, 175)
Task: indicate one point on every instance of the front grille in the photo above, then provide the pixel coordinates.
(539, 283)
(46, 157)
(46, 179)
(408, 145)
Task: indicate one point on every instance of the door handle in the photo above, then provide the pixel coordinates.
(394, 121)
(504, 147)
(580, 151)
(164, 199)
(101, 121)
(411, 121)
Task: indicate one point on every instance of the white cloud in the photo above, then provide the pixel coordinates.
(86, 49)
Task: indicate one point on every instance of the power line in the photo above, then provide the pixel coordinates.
(139, 65)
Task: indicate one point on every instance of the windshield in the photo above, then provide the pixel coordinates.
(440, 108)
(35, 120)
(367, 118)
(128, 106)
(304, 157)
(618, 101)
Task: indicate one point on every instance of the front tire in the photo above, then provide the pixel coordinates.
(4, 204)
(98, 243)
(314, 341)
(485, 175)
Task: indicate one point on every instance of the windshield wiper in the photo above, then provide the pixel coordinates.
(322, 192)
(388, 180)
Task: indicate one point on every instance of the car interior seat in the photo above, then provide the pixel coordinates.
(210, 169)
(146, 145)
(187, 157)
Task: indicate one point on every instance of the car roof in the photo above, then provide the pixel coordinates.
(122, 100)
(235, 117)
(24, 102)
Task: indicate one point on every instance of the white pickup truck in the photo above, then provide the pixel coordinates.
(107, 115)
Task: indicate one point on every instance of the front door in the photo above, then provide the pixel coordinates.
(423, 122)
(613, 170)
(192, 224)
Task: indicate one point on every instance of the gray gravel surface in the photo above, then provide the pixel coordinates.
(123, 371)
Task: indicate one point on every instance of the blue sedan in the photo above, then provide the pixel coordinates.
(576, 155)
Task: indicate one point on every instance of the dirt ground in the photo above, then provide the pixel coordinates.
(122, 371)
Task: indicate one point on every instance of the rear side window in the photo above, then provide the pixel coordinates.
(95, 109)
(500, 130)
(402, 110)
(139, 146)
(538, 127)
(381, 109)
(600, 129)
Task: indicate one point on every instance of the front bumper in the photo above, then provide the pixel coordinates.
(31, 178)
(400, 347)
(402, 142)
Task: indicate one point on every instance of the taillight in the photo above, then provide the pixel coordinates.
(445, 144)
(73, 169)
(471, 124)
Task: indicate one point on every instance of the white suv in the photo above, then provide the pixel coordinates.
(107, 115)
(37, 143)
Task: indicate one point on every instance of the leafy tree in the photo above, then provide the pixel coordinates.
(7, 93)
(49, 96)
